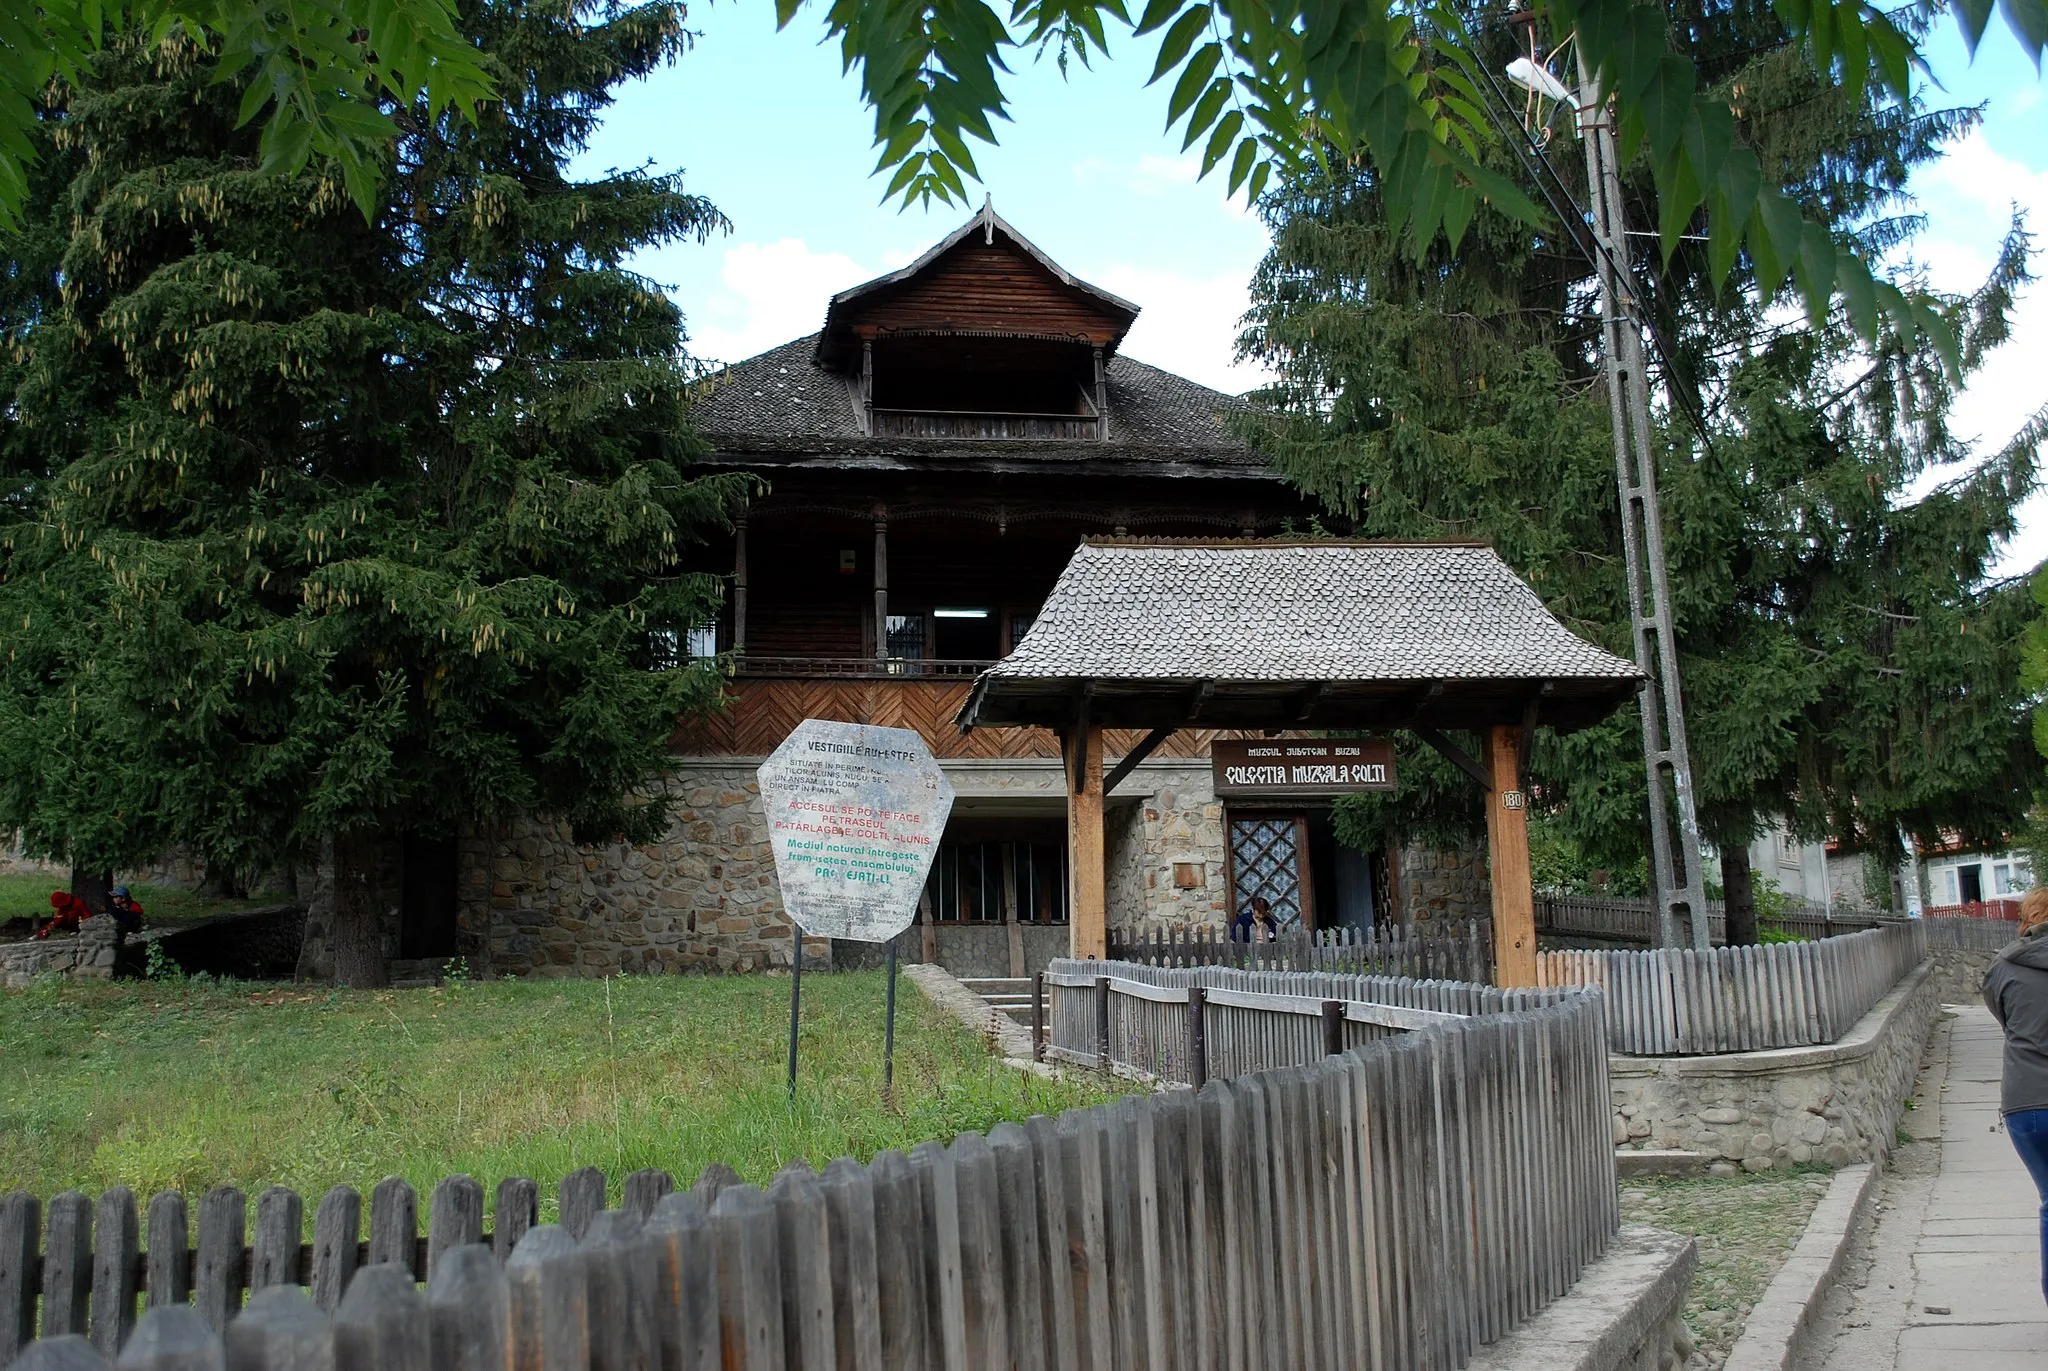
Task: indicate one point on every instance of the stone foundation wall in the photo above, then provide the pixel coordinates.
(702, 899)
(1179, 823)
(1445, 885)
(1838, 1103)
(532, 902)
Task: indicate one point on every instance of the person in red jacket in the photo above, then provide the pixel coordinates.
(71, 912)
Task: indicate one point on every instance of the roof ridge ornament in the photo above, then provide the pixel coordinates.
(988, 219)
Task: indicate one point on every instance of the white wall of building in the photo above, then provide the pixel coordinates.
(1960, 878)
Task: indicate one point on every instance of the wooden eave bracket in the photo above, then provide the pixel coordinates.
(1129, 761)
(1457, 757)
(1529, 715)
(1076, 741)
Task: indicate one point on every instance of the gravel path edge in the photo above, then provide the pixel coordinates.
(1776, 1328)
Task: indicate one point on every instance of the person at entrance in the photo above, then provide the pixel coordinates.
(2016, 993)
(1256, 924)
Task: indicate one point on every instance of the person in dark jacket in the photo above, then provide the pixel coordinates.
(1256, 924)
(2016, 993)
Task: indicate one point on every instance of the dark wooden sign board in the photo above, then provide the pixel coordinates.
(1251, 768)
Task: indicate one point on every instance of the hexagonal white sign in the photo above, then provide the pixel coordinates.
(854, 816)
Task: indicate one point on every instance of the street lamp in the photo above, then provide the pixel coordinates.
(1676, 868)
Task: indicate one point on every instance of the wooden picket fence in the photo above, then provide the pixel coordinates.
(1997, 911)
(1394, 1206)
(1633, 921)
(1457, 950)
(1679, 1002)
(1977, 932)
(1185, 1025)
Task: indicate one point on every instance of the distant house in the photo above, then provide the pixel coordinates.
(1971, 878)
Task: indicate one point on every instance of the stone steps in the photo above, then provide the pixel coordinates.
(1009, 995)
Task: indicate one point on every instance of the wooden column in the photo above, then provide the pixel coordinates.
(1507, 857)
(1087, 881)
(881, 582)
(1009, 904)
(1101, 398)
(739, 586)
(867, 385)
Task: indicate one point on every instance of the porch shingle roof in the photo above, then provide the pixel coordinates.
(1338, 634)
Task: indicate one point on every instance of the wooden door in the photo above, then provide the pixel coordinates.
(1269, 857)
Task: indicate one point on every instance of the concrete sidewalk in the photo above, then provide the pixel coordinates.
(1977, 1261)
(1949, 1278)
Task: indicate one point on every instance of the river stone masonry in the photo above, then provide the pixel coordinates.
(1174, 835)
(1837, 1103)
(87, 956)
(702, 899)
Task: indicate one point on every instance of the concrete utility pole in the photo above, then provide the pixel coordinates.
(1676, 867)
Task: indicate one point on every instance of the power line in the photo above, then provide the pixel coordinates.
(1535, 161)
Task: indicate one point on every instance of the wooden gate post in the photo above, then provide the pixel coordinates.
(1087, 880)
(1507, 858)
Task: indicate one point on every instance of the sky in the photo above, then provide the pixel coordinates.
(767, 127)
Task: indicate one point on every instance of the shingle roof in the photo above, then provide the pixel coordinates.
(780, 393)
(782, 399)
(1367, 621)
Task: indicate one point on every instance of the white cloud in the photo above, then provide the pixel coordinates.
(768, 294)
(1187, 324)
(1155, 171)
(1968, 197)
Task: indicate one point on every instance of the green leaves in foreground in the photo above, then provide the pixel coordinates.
(323, 69)
(1286, 84)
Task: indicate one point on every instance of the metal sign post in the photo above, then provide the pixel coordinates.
(889, 1034)
(854, 816)
(796, 1000)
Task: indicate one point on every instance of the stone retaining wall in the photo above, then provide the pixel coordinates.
(1838, 1103)
(1959, 974)
(1625, 1313)
(89, 955)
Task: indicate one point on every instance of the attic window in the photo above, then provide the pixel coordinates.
(955, 386)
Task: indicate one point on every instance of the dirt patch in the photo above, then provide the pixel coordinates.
(1746, 1227)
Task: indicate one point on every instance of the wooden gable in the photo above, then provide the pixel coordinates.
(983, 280)
(987, 287)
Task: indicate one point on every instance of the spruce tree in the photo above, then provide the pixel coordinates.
(320, 529)
(1848, 667)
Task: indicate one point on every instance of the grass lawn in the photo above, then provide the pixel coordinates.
(186, 1085)
(24, 896)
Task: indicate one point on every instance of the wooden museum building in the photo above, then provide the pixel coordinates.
(930, 461)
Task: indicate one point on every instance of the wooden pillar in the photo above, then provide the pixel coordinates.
(739, 586)
(1087, 881)
(881, 583)
(1507, 858)
(1009, 906)
(1101, 398)
(867, 385)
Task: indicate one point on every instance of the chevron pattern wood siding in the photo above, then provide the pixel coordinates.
(759, 714)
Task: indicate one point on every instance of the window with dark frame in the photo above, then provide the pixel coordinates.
(968, 881)
(906, 637)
